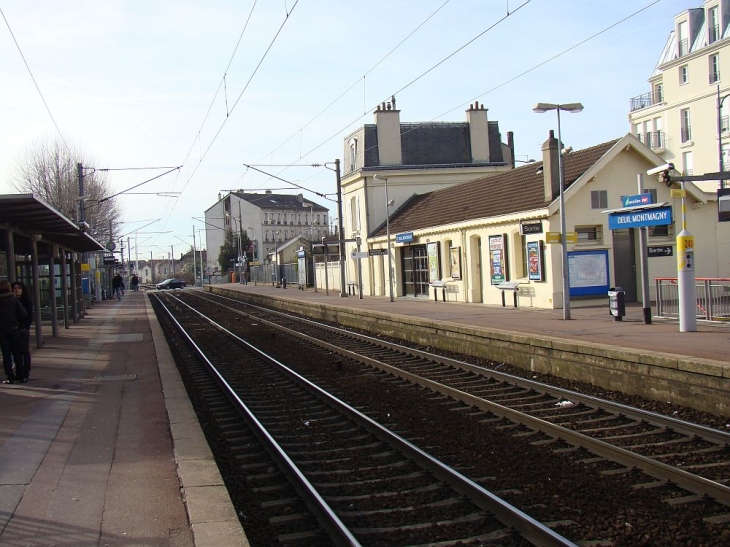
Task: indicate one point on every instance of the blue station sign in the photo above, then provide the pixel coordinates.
(660, 216)
(638, 199)
(406, 237)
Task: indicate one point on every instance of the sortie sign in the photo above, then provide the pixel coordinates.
(636, 219)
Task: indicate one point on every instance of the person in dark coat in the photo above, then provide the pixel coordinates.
(118, 286)
(12, 314)
(21, 293)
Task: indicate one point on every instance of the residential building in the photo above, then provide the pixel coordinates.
(390, 161)
(684, 117)
(268, 220)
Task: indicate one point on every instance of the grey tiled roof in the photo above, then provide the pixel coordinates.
(520, 189)
(277, 201)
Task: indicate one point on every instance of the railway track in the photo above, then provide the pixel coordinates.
(616, 438)
(337, 476)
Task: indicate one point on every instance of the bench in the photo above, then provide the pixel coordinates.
(513, 286)
(352, 288)
(445, 288)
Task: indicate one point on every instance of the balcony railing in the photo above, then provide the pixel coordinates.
(653, 139)
(686, 133)
(682, 48)
(643, 101)
(714, 34)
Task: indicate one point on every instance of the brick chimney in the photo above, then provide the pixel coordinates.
(550, 167)
(387, 122)
(476, 117)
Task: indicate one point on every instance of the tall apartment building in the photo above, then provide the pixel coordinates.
(268, 219)
(685, 118)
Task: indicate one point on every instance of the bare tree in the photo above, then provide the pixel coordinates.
(49, 171)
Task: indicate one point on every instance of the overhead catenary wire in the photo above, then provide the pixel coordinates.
(253, 74)
(27, 66)
(510, 80)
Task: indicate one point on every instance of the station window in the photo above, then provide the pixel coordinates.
(599, 199)
(589, 234)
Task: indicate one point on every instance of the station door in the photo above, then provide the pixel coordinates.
(414, 264)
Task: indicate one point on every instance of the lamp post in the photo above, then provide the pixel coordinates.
(387, 231)
(568, 107)
(720, 100)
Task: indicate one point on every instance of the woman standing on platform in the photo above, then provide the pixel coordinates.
(21, 293)
(12, 314)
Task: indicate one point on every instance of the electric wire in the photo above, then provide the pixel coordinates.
(356, 82)
(27, 66)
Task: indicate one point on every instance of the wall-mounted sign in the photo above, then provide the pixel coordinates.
(406, 237)
(723, 205)
(535, 270)
(554, 237)
(661, 250)
(498, 271)
(661, 216)
(638, 199)
(531, 228)
(377, 252)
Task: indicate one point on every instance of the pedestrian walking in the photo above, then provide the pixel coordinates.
(21, 293)
(12, 315)
(118, 286)
(134, 282)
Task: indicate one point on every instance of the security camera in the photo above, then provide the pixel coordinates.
(660, 169)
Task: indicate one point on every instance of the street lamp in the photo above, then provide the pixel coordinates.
(720, 100)
(388, 203)
(541, 108)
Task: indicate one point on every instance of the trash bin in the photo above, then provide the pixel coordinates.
(283, 282)
(617, 303)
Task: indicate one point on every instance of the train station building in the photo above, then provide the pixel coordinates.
(470, 241)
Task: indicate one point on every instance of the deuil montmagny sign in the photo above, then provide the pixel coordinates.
(636, 219)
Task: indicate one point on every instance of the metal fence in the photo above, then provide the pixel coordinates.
(713, 298)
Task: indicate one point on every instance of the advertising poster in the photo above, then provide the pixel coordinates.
(535, 270)
(433, 262)
(498, 259)
(455, 262)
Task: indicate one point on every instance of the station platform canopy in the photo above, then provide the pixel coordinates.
(27, 215)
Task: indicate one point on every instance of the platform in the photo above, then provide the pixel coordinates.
(102, 447)
(592, 324)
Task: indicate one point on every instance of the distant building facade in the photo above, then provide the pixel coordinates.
(684, 117)
(268, 220)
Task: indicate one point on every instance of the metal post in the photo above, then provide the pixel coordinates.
(340, 229)
(563, 239)
(195, 262)
(686, 276)
(719, 132)
(643, 252)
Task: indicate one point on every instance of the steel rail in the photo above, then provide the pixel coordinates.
(530, 529)
(330, 521)
(661, 471)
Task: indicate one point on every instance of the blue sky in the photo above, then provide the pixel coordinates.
(139, 84)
